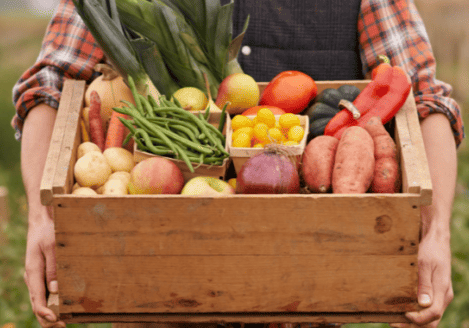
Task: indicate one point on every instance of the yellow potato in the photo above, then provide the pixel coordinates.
(92, 170)
(84, 191)
(100, 190)
(86, 147)
(121, 175)
(119, 159)
(115, 187)
(75, 186)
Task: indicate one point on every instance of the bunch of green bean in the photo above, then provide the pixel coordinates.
(167, 129)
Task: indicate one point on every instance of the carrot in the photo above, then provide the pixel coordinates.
(386, 177)
(116, 131)
(97, 134)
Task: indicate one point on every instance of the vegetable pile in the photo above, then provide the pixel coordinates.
(349, 149)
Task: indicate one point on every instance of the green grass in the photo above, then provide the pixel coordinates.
(15, 57)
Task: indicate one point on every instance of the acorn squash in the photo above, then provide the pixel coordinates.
(326, 105)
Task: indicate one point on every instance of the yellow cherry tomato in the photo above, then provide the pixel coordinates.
(248, 130)
(265, 115)
(241, 121)
(288, 120)
(296, 133)
(261, 132)
(276, 135)
(242, 140)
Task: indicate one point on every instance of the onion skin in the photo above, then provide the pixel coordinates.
(268, 173)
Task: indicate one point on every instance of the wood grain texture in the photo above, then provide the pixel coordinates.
(57, 167)
(413, 160)
(198, 318)
(237, 254)
(63, 179)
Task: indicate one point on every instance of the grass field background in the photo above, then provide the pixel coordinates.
(20, 41)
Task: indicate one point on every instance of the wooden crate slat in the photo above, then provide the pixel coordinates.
(193, 284)
(57, 139)
(323, 317)
(63, 178)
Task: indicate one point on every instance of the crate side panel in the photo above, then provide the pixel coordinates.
(195, 284)
(237, 225)
(360, 251)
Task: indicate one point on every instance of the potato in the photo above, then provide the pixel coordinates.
(86, 147)
(318, 163)
(115, 187)
(121, 175)
(119, 159)
(75, 186)
(92, 170)
(84, 191)
(100, 190)
(354, 162)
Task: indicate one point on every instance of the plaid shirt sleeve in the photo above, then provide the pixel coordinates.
(395, 28)
(68, 51)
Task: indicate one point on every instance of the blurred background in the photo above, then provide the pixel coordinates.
(22, 27)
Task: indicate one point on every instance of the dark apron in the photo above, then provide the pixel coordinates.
(317, 37)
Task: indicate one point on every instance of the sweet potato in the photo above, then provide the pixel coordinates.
(354, 162)
(318, 162)
(386, 177)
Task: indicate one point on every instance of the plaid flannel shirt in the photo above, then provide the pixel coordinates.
(393, 28)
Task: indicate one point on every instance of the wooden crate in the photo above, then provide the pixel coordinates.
(242, 258)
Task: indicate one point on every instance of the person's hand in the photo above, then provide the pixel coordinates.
(435, 290)
(40, 265)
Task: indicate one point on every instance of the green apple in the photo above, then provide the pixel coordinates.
(207, 186)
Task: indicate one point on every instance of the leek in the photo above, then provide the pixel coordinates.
(172, 43)
(110, 37)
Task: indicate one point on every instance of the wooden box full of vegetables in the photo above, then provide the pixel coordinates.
(238, 258)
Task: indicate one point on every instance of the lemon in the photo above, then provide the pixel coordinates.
(290, 143)
(288, 120)
(296, 133)
(265, 115)
(191, 98)
(241, 121)
(242, 140)
(258, 145)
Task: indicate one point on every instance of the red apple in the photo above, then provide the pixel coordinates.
(156, 175)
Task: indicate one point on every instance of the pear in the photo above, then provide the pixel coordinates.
(240, 91)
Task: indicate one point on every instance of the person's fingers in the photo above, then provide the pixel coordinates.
(399, 325)
(425, 287)
(439, 302)
(51, 271)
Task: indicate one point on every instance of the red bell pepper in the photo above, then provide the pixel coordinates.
(385, 107)
(365, 101)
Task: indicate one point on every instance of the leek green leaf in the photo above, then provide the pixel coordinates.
(154, 65)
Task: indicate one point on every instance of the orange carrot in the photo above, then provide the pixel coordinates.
(97, 134)
(116, 131)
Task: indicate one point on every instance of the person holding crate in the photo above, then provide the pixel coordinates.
(326, 41)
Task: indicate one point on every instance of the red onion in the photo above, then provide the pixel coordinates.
(269, 172)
